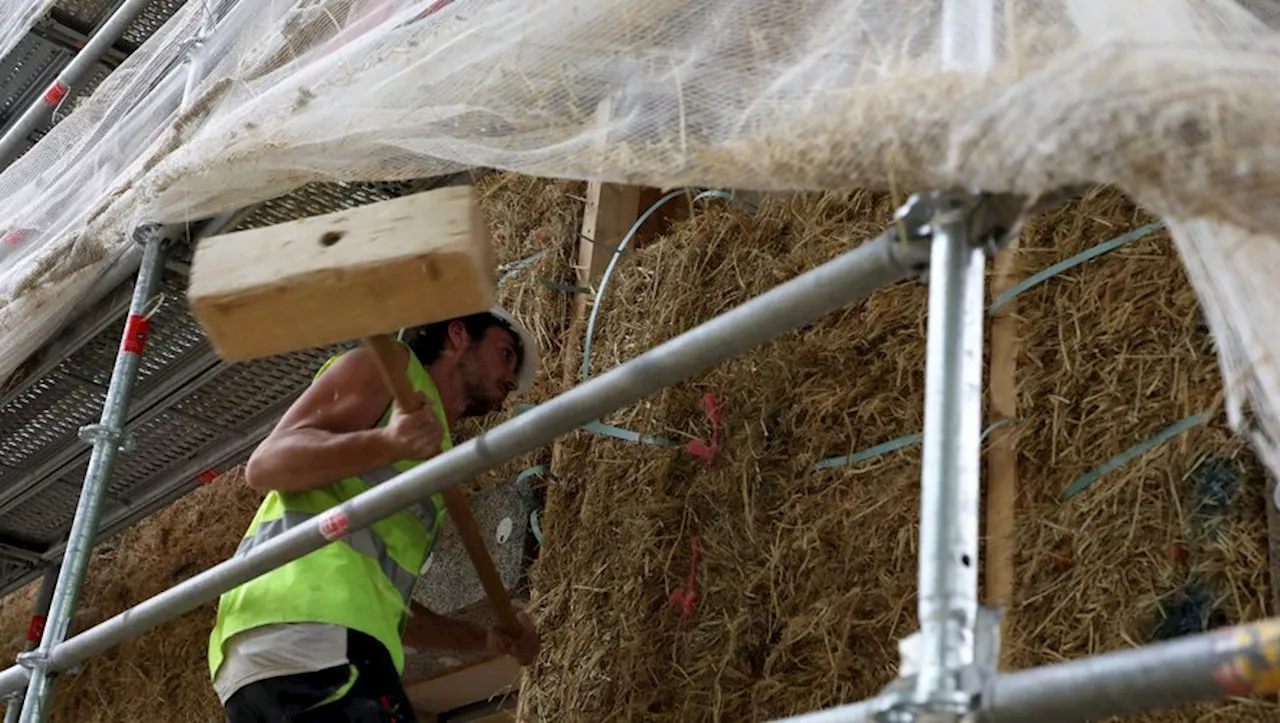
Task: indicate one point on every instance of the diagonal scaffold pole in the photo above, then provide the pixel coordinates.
(107, 437)
(44, 596)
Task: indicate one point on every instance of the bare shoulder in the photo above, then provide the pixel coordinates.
(357, 370)
(348, 396)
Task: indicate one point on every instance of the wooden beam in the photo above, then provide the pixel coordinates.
(499, 710)
(328, 279)
(1273, 544)
(480, 681)
(607, 211)
(1002, 457)
(502, 716)
(611, 211)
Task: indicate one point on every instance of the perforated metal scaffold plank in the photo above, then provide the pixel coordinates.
(88, 14)
(153, 17)
(39, 428)
(33, 62)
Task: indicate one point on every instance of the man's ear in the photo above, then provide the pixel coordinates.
(458, 337)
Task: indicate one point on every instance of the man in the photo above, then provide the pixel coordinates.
(321, 638)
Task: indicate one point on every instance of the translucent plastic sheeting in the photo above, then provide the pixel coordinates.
(66, 207)
(16, 18)
(1173, 101)
(1235, 277)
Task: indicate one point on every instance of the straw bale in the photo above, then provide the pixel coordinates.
(166, 669)
(1113, 352)
(807, 579)
(773, 632)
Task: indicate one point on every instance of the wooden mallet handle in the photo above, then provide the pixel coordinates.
(409, 401)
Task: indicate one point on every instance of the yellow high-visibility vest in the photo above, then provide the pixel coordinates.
(363, 580)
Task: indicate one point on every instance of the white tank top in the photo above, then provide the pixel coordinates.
(271, 651)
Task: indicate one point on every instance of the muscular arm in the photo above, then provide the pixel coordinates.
(328, 433)
(428, 631)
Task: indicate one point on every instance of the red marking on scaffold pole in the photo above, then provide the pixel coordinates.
(136, 330)
(334, 524)
(1232, 680)
(56, 93)
(36, 629)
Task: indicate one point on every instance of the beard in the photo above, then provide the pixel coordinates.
(477, 407)
(483, 395)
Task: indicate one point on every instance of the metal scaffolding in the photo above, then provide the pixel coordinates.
(81, 66)
(35, 631)
(108, 440)
(949, 669)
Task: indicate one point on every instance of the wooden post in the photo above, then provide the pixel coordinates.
(611, 210)
(1002, 457)
(1273, 539)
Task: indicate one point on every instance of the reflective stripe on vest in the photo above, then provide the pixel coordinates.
(362, 541)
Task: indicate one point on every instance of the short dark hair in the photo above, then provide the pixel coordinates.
(428, 341)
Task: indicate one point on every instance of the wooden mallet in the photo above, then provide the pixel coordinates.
(363, 273)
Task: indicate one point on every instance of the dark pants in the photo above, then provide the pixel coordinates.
(376, 696)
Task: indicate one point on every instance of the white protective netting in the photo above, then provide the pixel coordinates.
(1173, 101)
(16, 18)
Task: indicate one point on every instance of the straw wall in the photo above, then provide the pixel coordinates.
(163, 673)
(806, 579)
(1175, 541)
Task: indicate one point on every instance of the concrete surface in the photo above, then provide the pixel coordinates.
(449, 585)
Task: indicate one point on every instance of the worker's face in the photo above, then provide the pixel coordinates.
(488, 370)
